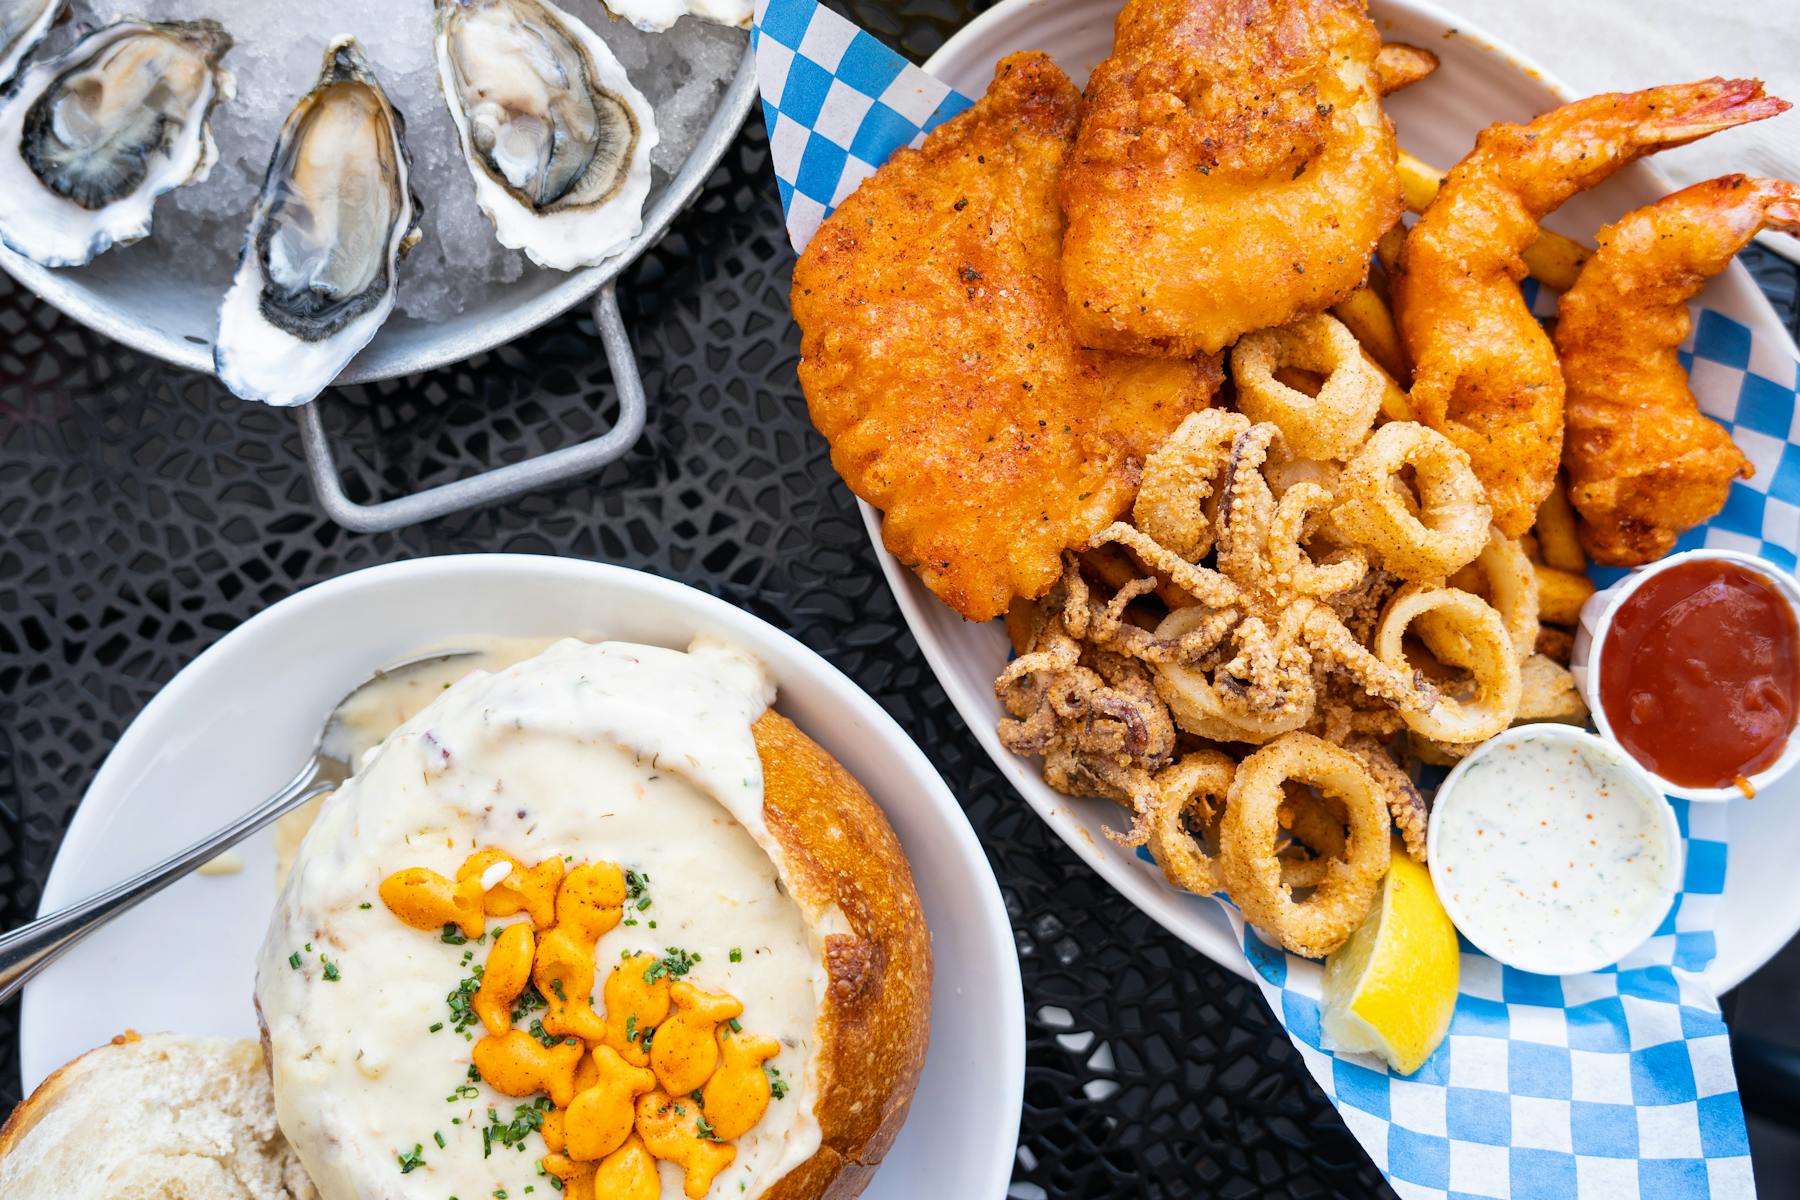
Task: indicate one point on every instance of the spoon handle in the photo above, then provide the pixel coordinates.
(28, 949)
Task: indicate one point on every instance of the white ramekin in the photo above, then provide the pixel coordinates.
(1558, 960)
(1590, 638)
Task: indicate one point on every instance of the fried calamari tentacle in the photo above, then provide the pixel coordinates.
(1406, 805)
(1328, 425)
(1221, 705)
(1291, 569)
(1468, 634)
(1188, 636)
(1207, 586)
(1319, 924)
(1187, 804)
(1451, 524)
(1397, 684)
(1246, 506)
(1178, 480)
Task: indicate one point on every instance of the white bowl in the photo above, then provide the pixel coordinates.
(236, 722)
(1479, 83)
(1558, 960)
(1590, 639)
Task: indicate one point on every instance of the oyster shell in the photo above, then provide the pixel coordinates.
(556, 138)
(656, 16)
(90, 139)
(316, 276)
(23, 24)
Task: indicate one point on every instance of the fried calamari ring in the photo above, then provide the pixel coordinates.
(1291, 569)
(1264, 690)
(1329, 425)
(1316, 926)
(1178, 480)
(1469, 634)
(1510, 585)
(1451, 525)
(1188, 797)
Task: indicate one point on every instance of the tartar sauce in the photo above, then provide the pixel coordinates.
(1551, 852)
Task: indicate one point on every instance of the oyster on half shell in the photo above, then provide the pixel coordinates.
(23, 24)
(90, 139)
(556, 137)
(316, 276)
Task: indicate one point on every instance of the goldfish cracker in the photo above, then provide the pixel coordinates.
(634, 1006)
(586, 1074)
(577, 1178)
(532, 891)
(628, 1173)
(504, 978)
(426, 900)
(564, 974)
(737, 1095)
(517, 1064)
(671, 1131)
(601, 1117)
(556, 1138)
(684, 1051)
(591, 900)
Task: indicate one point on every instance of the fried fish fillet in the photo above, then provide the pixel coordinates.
(1233, 170)
(937, 358)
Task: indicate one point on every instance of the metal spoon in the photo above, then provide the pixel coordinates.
(30, 948)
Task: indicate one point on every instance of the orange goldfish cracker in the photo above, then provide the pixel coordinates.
(426, 900)
(684, 1052)
(532, 891)
(737, 1095)
(577, 1178)
(564, 974)
(628, 1173)
(556, 1139)
(503, 979)
(601, 1117)
(634, 1007)
(591, 900)
(671, 1131)
(517, 1064)
(586, 1074)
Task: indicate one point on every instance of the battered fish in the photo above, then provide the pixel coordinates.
(937, 358)
(1233, 171)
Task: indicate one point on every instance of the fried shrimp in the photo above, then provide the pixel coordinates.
(1484, 372)
(1644, 463)
(1319, 924)
(1232, 170)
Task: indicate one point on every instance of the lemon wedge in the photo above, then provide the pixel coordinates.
(1390, 989)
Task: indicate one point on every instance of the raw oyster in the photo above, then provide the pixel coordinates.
(23, 24)
(90, 139)
(556, 138)
(316, 276)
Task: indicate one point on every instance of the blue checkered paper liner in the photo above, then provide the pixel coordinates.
(1611, 1085)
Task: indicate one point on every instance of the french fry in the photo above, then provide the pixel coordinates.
(1369, 319)
(1561, 595)
(1387, 250)
(1556, 535)
(1557, 645)
(1399, 65)
(1553, 259)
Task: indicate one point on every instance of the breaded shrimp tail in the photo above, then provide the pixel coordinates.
(1486, 374)
(1644, 464)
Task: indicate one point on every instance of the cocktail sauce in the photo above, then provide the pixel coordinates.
(1700, 672)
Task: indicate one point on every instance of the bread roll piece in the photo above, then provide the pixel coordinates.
(164, 1117)
(877, 1014)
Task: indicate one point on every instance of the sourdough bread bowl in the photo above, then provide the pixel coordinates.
(161, 1117)
(604, 915)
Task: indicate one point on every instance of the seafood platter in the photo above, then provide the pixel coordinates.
(288, 196)
(1269, 509)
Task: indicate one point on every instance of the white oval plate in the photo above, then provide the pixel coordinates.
(235, 724)
(1478, 84)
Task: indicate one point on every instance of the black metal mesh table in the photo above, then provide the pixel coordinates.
(145, 512)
